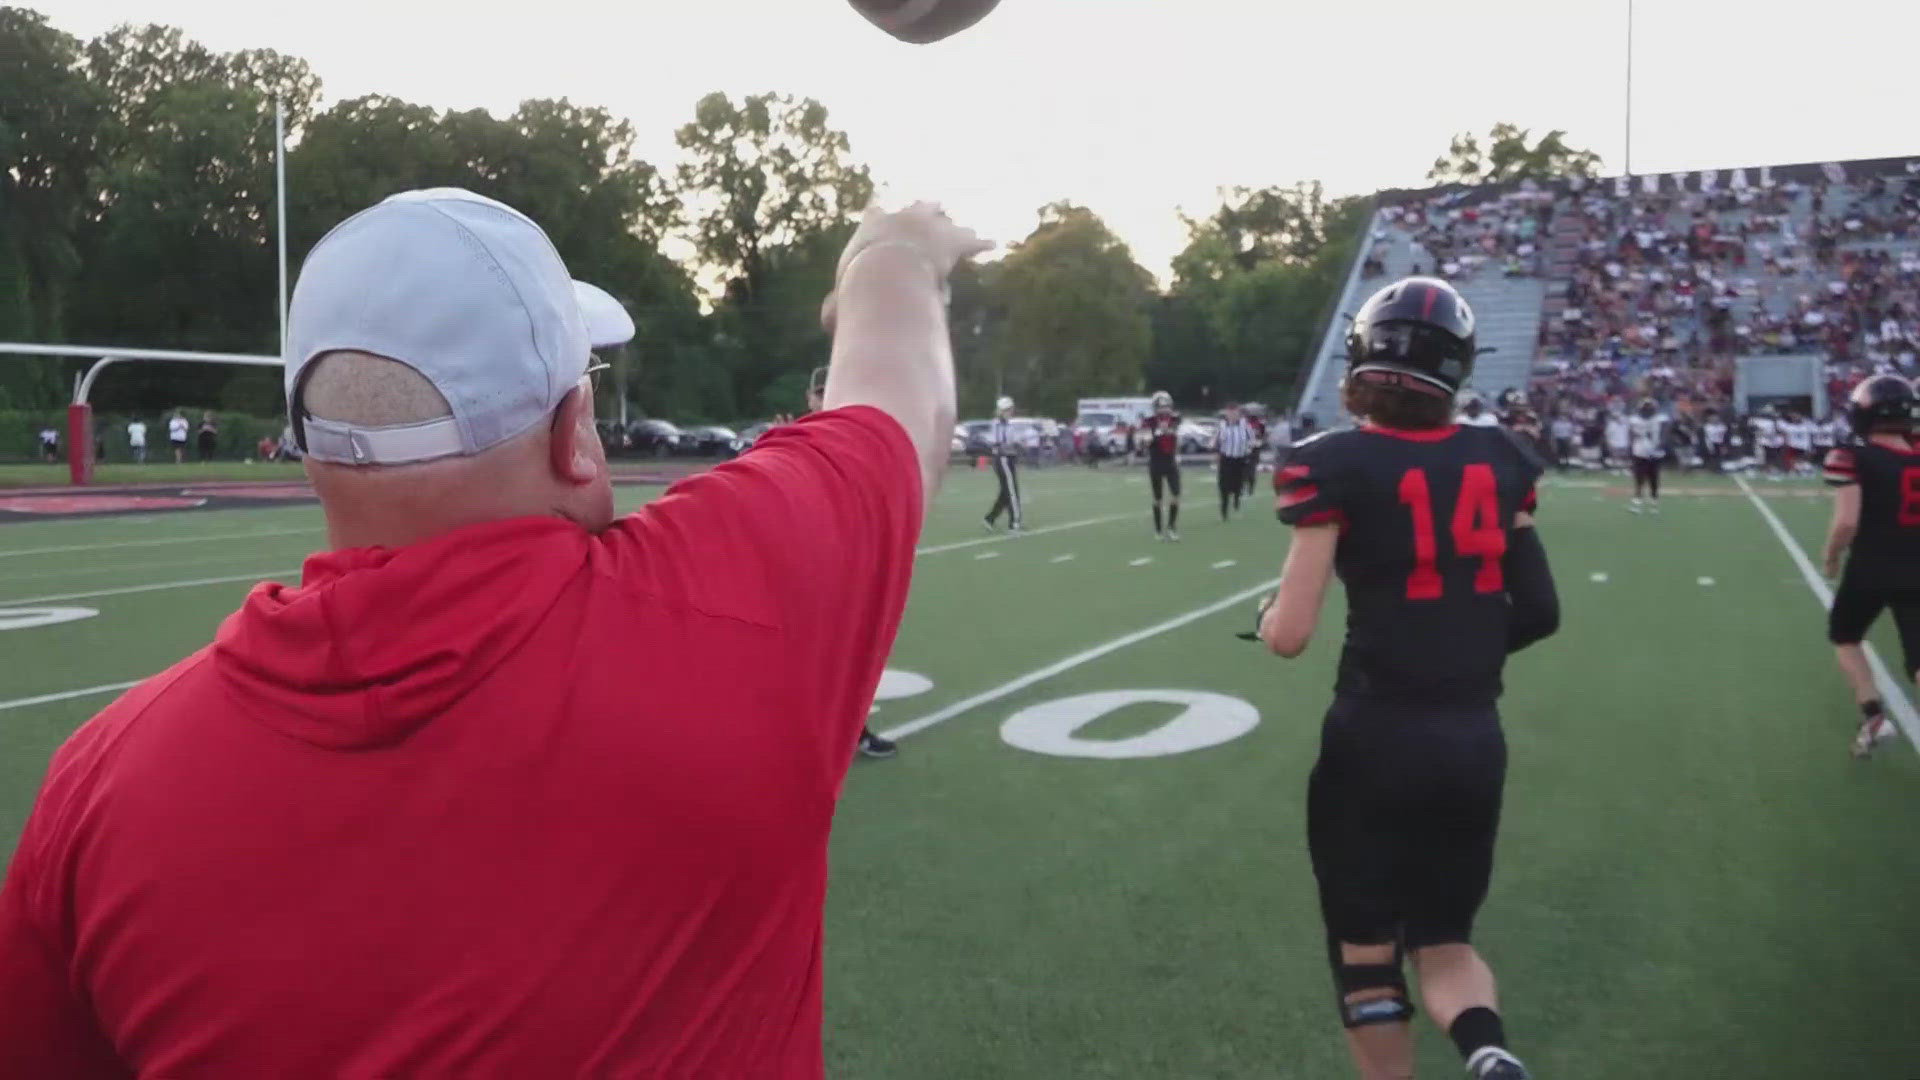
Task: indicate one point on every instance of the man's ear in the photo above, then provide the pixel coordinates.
(570, 449)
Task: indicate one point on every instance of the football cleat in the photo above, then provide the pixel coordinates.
(1871, 734)
(873, 746)
(1493, 1063)
(990, 526)
(1173, 536)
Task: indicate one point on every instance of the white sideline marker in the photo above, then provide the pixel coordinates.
(1068, 557)
(265, 575)
(207, 539)
(1705, 581)
(1891, 690)
(1014, 686)
(958, 545)
(1224, 563)
(259, 575)
(1141, 561)
(1599, 576)
(42, 699)
(986, 555)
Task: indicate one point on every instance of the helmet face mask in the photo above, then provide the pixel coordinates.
(1419, 327)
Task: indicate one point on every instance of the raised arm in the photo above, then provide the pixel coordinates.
(888, 315)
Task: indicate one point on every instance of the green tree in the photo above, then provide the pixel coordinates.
(50, 121)
(1507, 155)
(769, 193)
(1072, 311)
(1251, 294)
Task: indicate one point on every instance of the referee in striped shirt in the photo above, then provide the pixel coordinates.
(1006, 467)
(1236, 448)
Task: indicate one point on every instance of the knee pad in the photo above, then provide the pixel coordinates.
(1393, 1007)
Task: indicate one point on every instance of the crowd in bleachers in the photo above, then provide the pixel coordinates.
(1456, 239)
(1665, 290)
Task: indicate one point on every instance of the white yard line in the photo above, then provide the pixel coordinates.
(1892, 691)
(207, 539)
(1068, 557)
(42, 699)
(1014, 686)
(986, 555)
(1141, 561)
(258, 575)
(1224, 563)
(1599, 576)
(1004, 537)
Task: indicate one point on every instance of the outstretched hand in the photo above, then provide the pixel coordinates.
(923, 228)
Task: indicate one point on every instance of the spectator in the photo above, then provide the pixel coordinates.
(268, 448)
(209, 436)
(50, 443)
(507, 787)
(137, 439)
(177, 428)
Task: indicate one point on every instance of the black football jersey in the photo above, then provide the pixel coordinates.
(1424, 518)
(1886, 550)
(1161, 434)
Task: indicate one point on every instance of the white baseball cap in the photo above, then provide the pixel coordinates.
(463, 289)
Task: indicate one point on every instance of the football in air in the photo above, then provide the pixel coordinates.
(922, 22)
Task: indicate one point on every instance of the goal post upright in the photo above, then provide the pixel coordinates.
(80, 458)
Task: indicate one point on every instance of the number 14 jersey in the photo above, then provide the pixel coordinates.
(1424, 518)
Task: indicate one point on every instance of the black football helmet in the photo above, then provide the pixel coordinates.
(1882, 403)
(1417, 332)
(1647, 408)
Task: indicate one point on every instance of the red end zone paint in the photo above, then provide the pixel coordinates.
(92, 504)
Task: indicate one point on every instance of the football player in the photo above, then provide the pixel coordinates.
(1161, 434)
(1876, 526)
(1429, 526)
(1647, 443)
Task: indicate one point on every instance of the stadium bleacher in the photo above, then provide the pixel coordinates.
(1597, 290)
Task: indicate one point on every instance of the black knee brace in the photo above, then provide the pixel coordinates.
(1348, 979)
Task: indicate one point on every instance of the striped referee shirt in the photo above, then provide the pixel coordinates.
(1002, 438)
(1236, 438)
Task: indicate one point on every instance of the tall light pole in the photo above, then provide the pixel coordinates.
(280, 200)
(1629, 140)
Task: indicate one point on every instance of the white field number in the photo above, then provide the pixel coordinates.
(1205, 719)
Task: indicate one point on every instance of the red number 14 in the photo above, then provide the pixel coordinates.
(1476, 531)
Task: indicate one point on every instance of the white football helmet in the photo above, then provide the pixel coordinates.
(1162, 400)
(1005, 404)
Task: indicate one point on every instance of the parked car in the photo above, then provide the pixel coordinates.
(1199, 435)
(1100, 428)
(979, 436)
(752, 432)
(657, 437)
(710, 440)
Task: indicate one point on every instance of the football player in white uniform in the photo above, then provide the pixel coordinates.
(1713, 441)
(1768, 443)
(1647, 443)
(1797, 432)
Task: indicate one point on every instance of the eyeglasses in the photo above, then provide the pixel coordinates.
(592, 376)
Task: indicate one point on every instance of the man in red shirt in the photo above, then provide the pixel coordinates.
(507, 787)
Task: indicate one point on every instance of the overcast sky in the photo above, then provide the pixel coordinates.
(1137, 108)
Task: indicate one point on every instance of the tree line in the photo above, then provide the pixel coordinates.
(137, 209)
